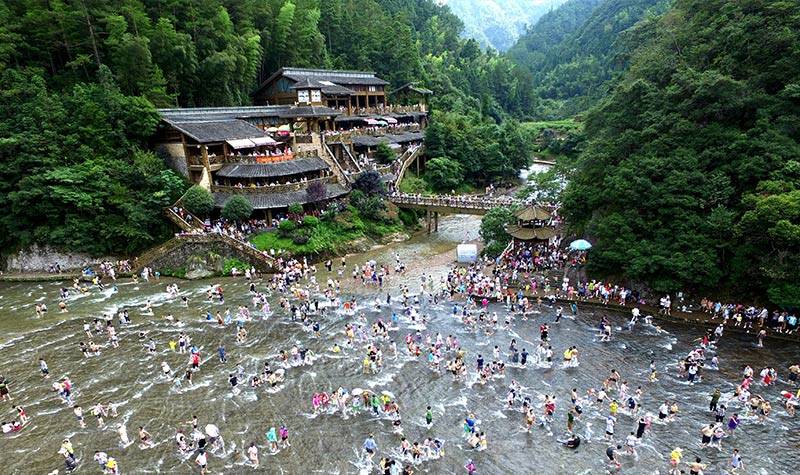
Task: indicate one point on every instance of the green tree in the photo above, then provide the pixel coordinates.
(683, 183)
(237, 208)
(370, 184)
(384, 153)
(443, 174)
(493, 230)
(197, 200)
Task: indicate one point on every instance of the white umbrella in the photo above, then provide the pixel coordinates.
(357, 392)
(388, 394)
(580, 245)
(212, 430)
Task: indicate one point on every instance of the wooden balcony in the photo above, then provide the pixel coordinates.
(273, 188)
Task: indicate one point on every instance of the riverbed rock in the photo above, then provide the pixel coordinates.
(363, 244)
(40, 258)
(394, 237)
(199, 274)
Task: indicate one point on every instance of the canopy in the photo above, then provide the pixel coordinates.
(272, 130)
(580, 245)
(241, 143)
(389, 120)
(467, 253)
(371, 121)
(263, 141)
(285, 127)
(533, 213)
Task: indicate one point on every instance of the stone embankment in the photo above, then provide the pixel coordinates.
(696, 319)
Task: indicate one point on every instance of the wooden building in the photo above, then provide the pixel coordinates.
(534, 223)
(231, 151)
(350, 91)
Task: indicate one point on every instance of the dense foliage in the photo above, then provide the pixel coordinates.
(493, 230)
(690, 177)
(75, 173)
(237, 208)
(198, 201)
(574, 51)
(486, 152)
(81, 79)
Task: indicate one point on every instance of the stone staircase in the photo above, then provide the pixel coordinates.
(406, 162)
(194, 232)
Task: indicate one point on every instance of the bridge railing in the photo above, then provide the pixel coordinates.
(456, 202)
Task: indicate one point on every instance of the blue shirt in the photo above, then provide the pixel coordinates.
(370, 444)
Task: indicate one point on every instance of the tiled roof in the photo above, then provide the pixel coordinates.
(372, 141)
(268, 170)
(268, 200)
(218, 130)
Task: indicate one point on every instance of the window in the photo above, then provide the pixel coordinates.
(302, 96)
(373, 88)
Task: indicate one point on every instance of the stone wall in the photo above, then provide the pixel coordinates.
(199, 254)
(174, 156)
(40, 258)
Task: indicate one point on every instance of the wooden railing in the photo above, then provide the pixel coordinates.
(282, 188)
(347, 136)
(334, 164)
(406, 162)
(453, 202)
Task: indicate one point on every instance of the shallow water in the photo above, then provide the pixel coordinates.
(131, 379)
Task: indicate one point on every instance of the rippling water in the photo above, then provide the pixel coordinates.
(130, 379)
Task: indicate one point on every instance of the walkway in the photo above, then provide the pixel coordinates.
(452, 204)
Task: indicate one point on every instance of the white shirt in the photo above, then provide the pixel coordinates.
(201, 459)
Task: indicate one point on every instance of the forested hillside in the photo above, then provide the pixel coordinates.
(81, 79)
(692, 173)
(574, 51)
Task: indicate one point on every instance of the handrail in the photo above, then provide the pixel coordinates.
(282, 188)
(351, 157)
(337, 168)
(479, 203)
(151, 254)
(405, 164)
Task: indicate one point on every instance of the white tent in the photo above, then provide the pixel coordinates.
(467, 253)
(263, 140)
(241, 143)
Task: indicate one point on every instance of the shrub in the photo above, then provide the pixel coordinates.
(197, 200)
(310, 221)
(409, 217)
(286, 227)
(385, 154)
(237, 208)
(370, 207)
(370, 183)
(316, 192)
(413, 184)
(295, 208)
(493, 230)
(234, 262)
(300, 237)
(443, 173)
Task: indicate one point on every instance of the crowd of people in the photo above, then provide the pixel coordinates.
(526, 295)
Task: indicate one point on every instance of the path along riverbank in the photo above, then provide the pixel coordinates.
(675, 316)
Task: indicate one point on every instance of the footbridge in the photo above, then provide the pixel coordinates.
(450, 204)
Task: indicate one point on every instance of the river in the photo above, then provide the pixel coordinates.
(130, 379)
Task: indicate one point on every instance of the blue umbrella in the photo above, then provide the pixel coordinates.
(580, 245)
